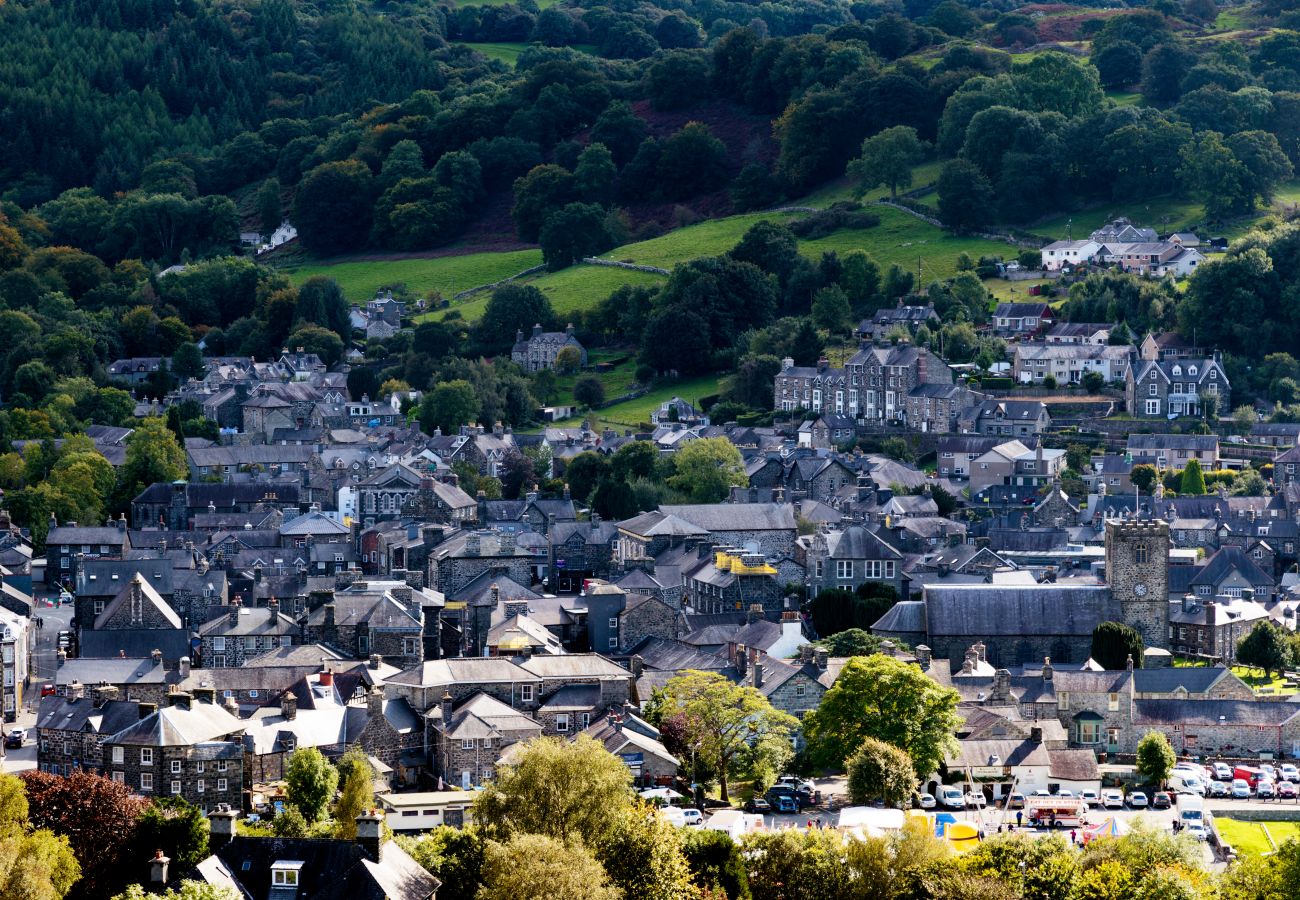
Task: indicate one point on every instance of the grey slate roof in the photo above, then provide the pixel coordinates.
(736, 516)
(1015, 610)
(903, 617)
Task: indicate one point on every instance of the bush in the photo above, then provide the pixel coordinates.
(833, 218)
(589, 392)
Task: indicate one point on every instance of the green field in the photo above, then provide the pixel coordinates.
(577, 287)
(446, 274)
(1125, 98)
(842, 188)
(708, 238)
(634, 413)
(1161, 213)
(508, 52)
(1248, 837)
(903, 239)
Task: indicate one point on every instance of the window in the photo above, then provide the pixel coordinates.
(198, 786)
(176, 786)
(1112, 702)
(410, 646)
(613, 643)
(1112, 736)
(146, 756)
(843, 568)
(176, 767)
(221, 765)
(526, 693)
(586, 720)
(1089, 733)
(221, 784)
(99, 607)
(613, 623)
(467, 744)
(798, 690)
(1151, 389)
(284, 877)
(198, 767)
(219, 644)
(1153, 407)
(146, 781)
(118, 756)
(1141, 555)
(889, 568)
(1063, 699)
(562, 722)
(119, 777)
(252, 695)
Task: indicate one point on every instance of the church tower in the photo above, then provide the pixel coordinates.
(1137, 570)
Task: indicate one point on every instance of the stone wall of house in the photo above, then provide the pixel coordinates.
(450, 574)
(774, 544)
(650, 618)
(1004, 650)
(201, 778)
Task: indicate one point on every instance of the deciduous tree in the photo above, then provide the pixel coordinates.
(880, 771)
(1155, 757)
(543, 868)
(310, 781)
(706, 469)
(887, 158)
(1266, 648)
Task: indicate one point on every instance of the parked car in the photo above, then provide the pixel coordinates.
(1160, 800)
(694, 818)
(796, 783)
(975, 800)
(951, 798)
(1289, 772)
(1112, 799)
(1137, 800)
(1267, 769)
(15, 737)
(924, 801)
(1016, 800)
(65, 638)
(1265, 790)
(776, 792)
(1222, 772)
(1286, 790)
(1240, 789)
(1090, 797)
(1065, 794)
(1220, 789)
(47, 690)
(785, 803)
(758, 805)
(65, 598)
(1196, 830)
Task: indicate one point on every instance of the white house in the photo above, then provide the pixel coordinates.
(1068, 253)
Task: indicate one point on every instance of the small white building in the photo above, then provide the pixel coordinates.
(1068, 253)
(427, 809)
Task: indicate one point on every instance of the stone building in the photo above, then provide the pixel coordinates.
(1173, 388)
(733, 580)
(71, 729)
(541, 348)
(229, 641)
(766, 528)
(851, 557)
(371, 618)
(465, 556)
(1137, 574)
(580, 551)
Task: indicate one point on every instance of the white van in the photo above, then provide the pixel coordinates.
(1182, 781)
(1191, 809)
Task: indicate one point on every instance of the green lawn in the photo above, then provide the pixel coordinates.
(577, 287)
(1248, 837)
(709, 238)
(903, 239)
(1125, 98)
(634, 413)
(1257, 679)
(842, 188)
(1231, 19)
(617, 381)
(1161, 213)
(447, 274)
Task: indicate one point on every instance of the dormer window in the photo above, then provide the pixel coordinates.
(284, 873)
(1178, 371)
(1191, 370)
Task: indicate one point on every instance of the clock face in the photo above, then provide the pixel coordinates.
(1140, 589)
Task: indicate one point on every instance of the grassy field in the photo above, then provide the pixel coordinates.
(842, 188)
(903, 239)
(708, 238)
(447, 274)
(508, 52)
(1125, 98)
(634, 413)
(1248, 837)
(1161, 213)
(574, 288)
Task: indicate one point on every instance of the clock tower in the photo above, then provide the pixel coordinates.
(1137, 570)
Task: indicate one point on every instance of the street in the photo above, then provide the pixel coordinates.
(44, 666)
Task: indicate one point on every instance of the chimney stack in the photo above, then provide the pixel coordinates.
(221, 827)
(446, 709)
(158, 869)
(147, 709)
(922, 653)
(821, 654)
(755, 613)
(183, 668)
(273, 607)
(376, 660)
(1047, 668)
(289, 705)
(370, 834)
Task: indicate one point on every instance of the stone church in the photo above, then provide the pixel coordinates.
(1021, 624)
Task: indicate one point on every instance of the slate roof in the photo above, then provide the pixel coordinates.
(116, 670)
(483, 716)
(978, 753)
(332, 870)
(82, 715)
(1073, 765)
(180, 726)
(134, 643)
(857, 542)
(1015, 611)
(657, 524)
(714, 517)
(1222, 563)
(1212, 712)
(149, 597)
(906, 616)
(1193, 679)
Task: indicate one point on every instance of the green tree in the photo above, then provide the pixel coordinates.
(643, 858)
(716, 862)
(722, 719)
(452, 855)
(1113, 643)
(269, 211)
(575, 231)
(830, 310)
(691, 162)
(588, 391)
(887, 158)
(706, 469)
(356, 792)
(187, 361)
(1155, 758)
(188, 890)
(1192, 483)
(884, 698)
(965, 196)
(880, 771)
(541, 867)
(178, 828)
(861, 281)
(310, 781)
(1093, 381)
(1266, 647)
(1144, 477)
(1212, 172)
(1030, 867)
(570, 792)
(851, 642)
(1119, 65)
(513, 308)
(314, 339)
(595, 174)
(545, 188)
(152, 455)
(1163, 70)
(448, 406)
(1249, 484)
(332, 207)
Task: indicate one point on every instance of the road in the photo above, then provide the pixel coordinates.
(45, 664)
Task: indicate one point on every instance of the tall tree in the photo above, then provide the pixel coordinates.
(572, 792)
(1192, 483)
(178, 828)
(1266, 647)
(310, 781)
(707, 468)
(269, 210)
(541, 867)
(722, 719)
(1113, 643)
(1155, 757)
(884, 698)
(887, 158)
(333, 206)
(880, 771)
(448, 406)
(356, 792)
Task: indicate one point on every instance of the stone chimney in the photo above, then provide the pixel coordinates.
(1036, 734)
(103, 693)
(289, 705)
(740, 659)
(375, 701)
(180, 699)
(820, 655)
(183, 668)
(205, 694)
(754, 614)
(981, 650)
(636, 665)
(888, 648)
(231, 705)
(1128, 663)
(369, 834)
(156, 656)
(158, 869)
(758, 671)
(147, 709)
(376, 660)
(923, 657)
(1001, 690)
(446, 709)
(473, 544)
(221, 827)
(1047, 668)
(273, 609)
(76, 691)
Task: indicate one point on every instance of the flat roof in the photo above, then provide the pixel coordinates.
(426, 798)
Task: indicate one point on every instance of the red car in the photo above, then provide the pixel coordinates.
(47, 690)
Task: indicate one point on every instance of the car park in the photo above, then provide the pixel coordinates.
(15, 737)
(1267, 769)
(1090, 797)
(924, 801)
(1265, 790)
(1286, 790)
(1112, 799)
(1137, 800)
(1161, 800)
(799, 797)
(1240, 789)
(1196, 830)
(797, 784)
(951, 798)
(1288, 772)
(1016, 800)
(785, 803)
